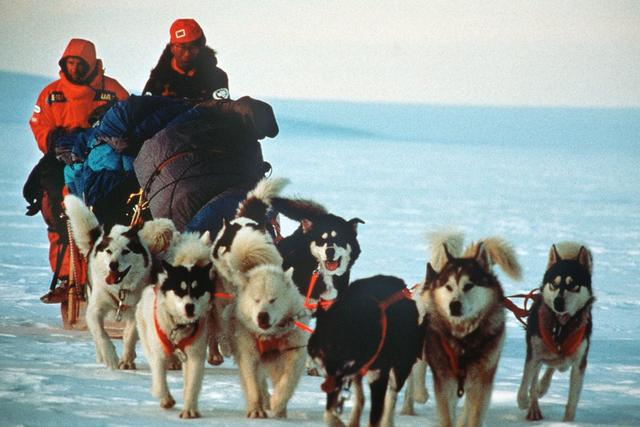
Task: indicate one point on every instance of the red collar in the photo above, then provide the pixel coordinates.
(167, 345)
(403, 293)
(567, 346)
(269, 345)
(454, 363)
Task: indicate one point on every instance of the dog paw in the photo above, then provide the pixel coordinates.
(127, 365)
(523, 400)
(534, 413)
(280, 413)
(215, 359)
(167, 402)
(189, 413)
(569, 416)
(111, 359)
(256, 413)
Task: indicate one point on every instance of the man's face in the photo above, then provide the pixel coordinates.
(76, 69)
(185, 54)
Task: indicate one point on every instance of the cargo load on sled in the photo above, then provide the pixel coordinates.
(157, 157)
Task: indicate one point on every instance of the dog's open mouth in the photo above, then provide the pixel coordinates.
(332, 265)
(115, 277)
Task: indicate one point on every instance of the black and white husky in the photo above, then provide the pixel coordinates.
(119, 266)
(559, 328)
(323, 242)
(464, 323)
(172, 319)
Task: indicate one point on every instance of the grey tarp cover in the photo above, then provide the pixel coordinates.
(182, 167)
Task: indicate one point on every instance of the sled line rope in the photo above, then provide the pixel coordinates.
(521, 313)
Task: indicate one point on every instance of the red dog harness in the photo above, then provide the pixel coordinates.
(312, 284)
(565, 347)
(167, 345)
(404, 293)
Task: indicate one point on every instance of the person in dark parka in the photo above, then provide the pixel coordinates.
(188, 68)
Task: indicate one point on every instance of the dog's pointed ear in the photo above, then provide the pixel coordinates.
(354, 223)
(446, 252)
(554, 256)
(288, 274)
(206, 238)
(584, 258)
(430, 276)
(306, 225)
(482, 257)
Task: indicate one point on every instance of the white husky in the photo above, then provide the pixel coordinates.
(261, 324)
(119, 264)
(172, 319)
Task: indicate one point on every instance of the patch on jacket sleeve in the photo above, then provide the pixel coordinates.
(105, 95)
(56, 96)
(222, 93)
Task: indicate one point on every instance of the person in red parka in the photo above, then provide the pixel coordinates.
(65, 105)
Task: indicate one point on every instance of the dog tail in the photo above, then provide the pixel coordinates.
(158, 234)
(252, 248)
(298, 209)
(501, 253)
(189, 250)
(259, 199)
(84, 224)
(452, 240)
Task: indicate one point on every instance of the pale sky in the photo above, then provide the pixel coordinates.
(489, 52)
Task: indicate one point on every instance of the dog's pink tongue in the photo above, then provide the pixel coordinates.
(331, 265)
(112, 278)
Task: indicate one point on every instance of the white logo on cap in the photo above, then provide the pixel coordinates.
(181, 33)
(36, 109)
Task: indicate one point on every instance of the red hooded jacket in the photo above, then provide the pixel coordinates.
(63, 104)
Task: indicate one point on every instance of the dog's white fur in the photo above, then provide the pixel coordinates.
(187, 251)
(155, 236)
(531, 389)
(266, 305)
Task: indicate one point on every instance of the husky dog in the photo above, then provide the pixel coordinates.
(371, 329)
(464, 324)
(323, 242)
(261, 324)
(172, 319)
(416, 385)
(559, 328)
(231, 256)
(119, 266)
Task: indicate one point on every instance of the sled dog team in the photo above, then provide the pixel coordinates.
(241, 293)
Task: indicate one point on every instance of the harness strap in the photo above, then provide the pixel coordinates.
(404, 293)
(566, 347)
(521, 313)
(223, 295)
(167, 345)
(454, 364)
(324, 304)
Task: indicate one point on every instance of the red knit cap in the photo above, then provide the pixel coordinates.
(185, 31)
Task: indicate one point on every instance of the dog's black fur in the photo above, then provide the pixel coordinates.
(348, 334)
(316, 226)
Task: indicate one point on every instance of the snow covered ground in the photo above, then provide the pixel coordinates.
(532, 194)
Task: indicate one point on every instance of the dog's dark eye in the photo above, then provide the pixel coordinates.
(256, 301)
(271, 301)
(109, 251)
(552, 286)
(449, 288)
(468, 287)
(125, 251)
